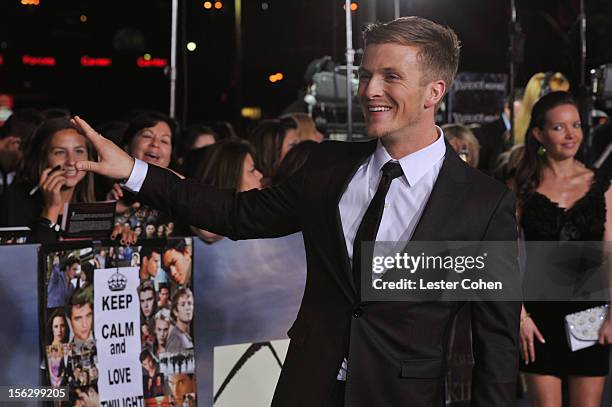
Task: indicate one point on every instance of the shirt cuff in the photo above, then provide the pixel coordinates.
(137, 177)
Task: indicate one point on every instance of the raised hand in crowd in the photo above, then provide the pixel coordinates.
(51, 182)
(116, 194)
(112, 162)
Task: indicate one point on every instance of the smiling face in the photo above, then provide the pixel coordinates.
(65, 149)
(153, 145)
(561, 134)
(394, 97)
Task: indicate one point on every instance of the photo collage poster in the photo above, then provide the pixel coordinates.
(117, 323)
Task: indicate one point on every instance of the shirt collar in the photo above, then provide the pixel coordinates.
(414, 165)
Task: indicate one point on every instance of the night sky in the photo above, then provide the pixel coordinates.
(277, 36)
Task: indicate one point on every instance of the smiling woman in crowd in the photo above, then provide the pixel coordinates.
(150, 137)
(560, 200)
(49, 164)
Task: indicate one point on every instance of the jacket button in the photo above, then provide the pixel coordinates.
(357, 312)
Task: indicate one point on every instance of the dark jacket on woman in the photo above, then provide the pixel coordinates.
(19, 208)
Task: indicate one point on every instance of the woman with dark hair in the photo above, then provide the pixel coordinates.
(229, 164)
(293, 161)
(560, 199)
(49, 164)
(57, 328)
(272, 140)
(198, 136)
(149, 137)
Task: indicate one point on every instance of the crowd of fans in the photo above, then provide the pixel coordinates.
(39, 149)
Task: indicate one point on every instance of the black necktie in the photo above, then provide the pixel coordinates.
(368, 228)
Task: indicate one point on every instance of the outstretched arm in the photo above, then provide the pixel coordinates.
(270, 212)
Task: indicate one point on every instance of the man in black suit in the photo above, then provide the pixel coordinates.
(406, 184)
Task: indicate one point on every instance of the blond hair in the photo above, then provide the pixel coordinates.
(439, 47)
(463, 133)
(305, 125)
(535, 89)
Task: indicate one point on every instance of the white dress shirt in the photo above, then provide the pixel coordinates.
(404, 203)
(405, 200)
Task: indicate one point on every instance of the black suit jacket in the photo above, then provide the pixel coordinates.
(396, 350)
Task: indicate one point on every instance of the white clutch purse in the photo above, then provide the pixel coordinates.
(582, 328)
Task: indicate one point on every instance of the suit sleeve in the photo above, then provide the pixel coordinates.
(271, 212)
(495, 324)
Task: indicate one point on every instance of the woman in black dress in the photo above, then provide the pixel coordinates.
(560, 199)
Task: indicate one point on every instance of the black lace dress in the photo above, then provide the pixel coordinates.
(543, 220)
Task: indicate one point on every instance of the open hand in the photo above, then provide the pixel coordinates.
(113, 162)
(529, 332)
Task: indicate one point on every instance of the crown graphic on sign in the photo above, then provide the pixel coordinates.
(117, 282)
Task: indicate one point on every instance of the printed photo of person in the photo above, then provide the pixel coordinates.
(86, 397)
(161, 331)
(183, 389)
(148, 304)
(179, 338)
(150, 266)
(152, 379)
(59, 287)
(161, 401)
(163, 296)
(80, 315)
(76, 375)
(177, 261)
(135, 259)
(56, 365)
(146, 337)
(100, 258)
(57, 327)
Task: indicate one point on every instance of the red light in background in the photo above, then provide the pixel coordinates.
(38, 61)
(1, 60)
(151, 63)
(218, 5)
(97, 62)
(30, 2)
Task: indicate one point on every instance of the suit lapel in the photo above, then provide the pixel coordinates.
(450, 184)
(342, 173)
